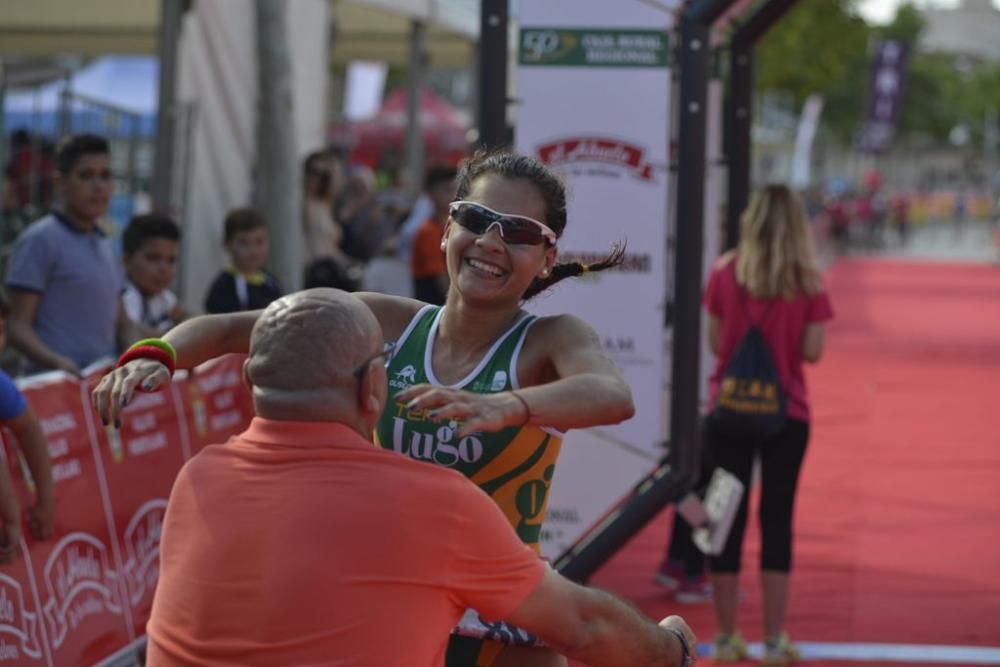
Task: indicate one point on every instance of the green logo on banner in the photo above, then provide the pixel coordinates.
(564, 47)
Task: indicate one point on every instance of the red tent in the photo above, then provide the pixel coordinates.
(383, 137)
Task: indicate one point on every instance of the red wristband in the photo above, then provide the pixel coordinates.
(148, 352)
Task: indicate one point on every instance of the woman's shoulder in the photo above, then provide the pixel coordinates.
(563, 330)
(392, 312)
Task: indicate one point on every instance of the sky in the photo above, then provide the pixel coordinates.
(882, 11)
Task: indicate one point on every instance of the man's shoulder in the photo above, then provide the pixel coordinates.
(430, 478)
(46, 226)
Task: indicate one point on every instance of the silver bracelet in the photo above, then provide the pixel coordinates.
(686, 659)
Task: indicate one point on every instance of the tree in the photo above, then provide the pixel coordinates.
(819, 47)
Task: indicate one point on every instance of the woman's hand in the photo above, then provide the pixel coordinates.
(115, 390)
(475, 412)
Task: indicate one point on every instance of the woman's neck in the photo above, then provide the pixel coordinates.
(472, 328)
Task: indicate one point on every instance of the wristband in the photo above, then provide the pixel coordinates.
(153, 352)
(157, 342)
(527, 410)
(686, 659)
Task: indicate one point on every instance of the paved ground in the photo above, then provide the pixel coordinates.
(971, 241)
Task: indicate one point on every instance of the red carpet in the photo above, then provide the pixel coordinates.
(898, 520)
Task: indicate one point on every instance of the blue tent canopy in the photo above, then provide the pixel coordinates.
(127, 83)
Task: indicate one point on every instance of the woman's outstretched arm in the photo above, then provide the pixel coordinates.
(196, 340)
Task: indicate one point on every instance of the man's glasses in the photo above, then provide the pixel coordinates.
(514, 229)
(388, 347)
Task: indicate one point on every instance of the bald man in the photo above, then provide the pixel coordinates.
(300, 543)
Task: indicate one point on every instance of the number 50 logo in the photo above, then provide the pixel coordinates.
(546, 46)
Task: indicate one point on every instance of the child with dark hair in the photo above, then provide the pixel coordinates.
(16, 416)
(149, 252)
(244, 285)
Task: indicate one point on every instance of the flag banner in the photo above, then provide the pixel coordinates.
(890, 63)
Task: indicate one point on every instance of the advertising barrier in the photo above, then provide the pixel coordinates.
(86, 593)
(594, 91)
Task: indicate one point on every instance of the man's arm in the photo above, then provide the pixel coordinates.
(492, 571)
(35, 448)
(597, 628)
(10, 512)
(23, 308)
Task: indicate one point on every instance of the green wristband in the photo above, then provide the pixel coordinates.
(157, 342)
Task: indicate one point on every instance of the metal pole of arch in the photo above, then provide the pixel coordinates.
(493, 23)
(739, 111)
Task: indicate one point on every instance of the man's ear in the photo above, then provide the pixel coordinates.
(368, 401)
(246, 375)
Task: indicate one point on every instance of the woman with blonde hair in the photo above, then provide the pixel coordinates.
(771, 282)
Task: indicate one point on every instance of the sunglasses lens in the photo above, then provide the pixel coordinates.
(515, 230)
(473, 218)
(521, 232)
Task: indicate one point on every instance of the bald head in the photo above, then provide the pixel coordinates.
(307, 345)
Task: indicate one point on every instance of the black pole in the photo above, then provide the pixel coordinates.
(171, 16)
(493, 21)
(738, 126)
(739, 110)
(671, 479)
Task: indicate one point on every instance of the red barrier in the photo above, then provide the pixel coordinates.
(87, 592)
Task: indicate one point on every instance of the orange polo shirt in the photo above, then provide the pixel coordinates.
(300, 543)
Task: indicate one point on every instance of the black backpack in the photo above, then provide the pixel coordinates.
(751, 401)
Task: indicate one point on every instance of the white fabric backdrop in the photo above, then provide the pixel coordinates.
(217, 80)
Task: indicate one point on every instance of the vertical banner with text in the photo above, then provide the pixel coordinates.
(595, 103)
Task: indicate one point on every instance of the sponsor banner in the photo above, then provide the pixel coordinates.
(84, 594)
(215, 402)
(139, 461)
(572, 47)
(75, 572)
(20, 633)
(595, 106)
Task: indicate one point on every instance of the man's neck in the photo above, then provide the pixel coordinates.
(294, 410)
(79, 222)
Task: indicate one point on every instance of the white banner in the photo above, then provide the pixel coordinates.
(595, 105)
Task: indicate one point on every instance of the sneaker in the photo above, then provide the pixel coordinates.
(779, 651)
(694, 590)
(669, 575)
(730, 648)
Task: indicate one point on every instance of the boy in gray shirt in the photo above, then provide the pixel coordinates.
(64, 283)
